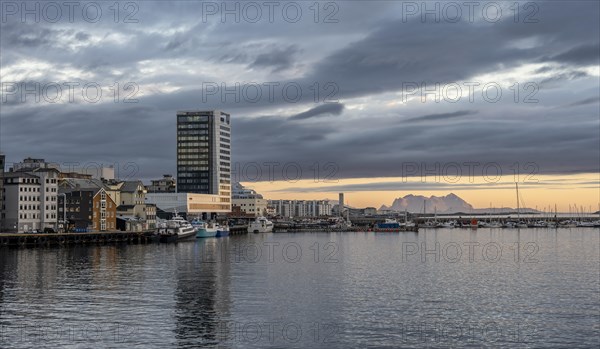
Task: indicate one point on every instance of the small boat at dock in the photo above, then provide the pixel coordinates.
(175, 229)
(222, 231)
(205, 230)
(393, 226)
(260, 225)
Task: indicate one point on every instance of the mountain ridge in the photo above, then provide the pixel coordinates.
(450, 203)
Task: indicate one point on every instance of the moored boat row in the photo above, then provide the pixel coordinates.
(178, 229)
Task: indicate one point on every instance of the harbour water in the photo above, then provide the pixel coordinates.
(438, 288)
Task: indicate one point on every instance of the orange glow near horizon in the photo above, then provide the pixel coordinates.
(543, 192)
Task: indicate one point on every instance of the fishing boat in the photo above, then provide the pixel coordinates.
(202, 230)
(222, 231)
(393, 226)
(260, 225)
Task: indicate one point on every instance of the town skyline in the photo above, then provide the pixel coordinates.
(347, 92)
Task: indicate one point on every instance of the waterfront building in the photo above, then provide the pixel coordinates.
(370, 211)
(125, 198)
(166, 184)
(248, 201)
(132, 203)
(84, 205)
(204, 155)
(30, 199)
(357, 212)
(300, 208)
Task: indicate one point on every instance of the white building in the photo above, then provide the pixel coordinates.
(301, 208)
(30, 200)
(249, 201)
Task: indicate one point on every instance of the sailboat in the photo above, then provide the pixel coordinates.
(519, 223)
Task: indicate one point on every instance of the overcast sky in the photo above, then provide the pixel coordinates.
(366, 59)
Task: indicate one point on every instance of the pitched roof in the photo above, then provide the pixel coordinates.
(131, 186)
(82, 184)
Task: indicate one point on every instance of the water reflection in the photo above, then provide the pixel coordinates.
(202, 292)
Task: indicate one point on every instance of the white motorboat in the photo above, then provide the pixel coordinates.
(181, 227)
(260, 225)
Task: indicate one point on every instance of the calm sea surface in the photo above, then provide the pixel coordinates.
(439, 288)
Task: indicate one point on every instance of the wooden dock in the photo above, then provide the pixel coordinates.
(92, 238)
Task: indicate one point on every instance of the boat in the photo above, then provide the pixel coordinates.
(202, 230)
(522, 224)
(494, 224)
(392, 226)
(163, 235)
(447, 225)
(222, 230)
(339, 223)
(568, 224)
(174, 229)
(428, 224)
(260, 225)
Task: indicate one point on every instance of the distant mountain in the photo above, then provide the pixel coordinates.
(450, 203)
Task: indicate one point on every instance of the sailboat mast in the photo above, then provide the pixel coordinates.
(518, 205)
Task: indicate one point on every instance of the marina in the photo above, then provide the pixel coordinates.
(180, 230)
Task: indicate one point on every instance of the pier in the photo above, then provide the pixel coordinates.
(238, 229)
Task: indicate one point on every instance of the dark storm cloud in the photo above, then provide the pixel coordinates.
(366, 56)
(429, 184)
(443, 116)
(321, 110)
(398, 53)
